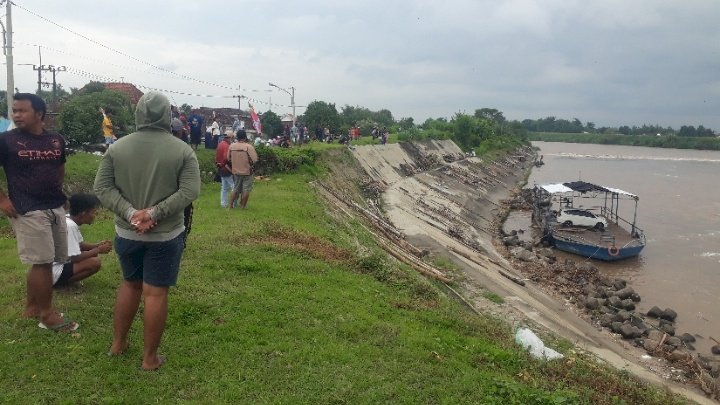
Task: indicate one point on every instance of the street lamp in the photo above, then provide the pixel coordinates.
(292, 98)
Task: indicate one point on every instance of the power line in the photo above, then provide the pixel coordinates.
(95, 76)
(93, 59)
(120, 52)
(96, 42)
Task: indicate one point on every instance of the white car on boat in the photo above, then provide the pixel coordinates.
(581, 217)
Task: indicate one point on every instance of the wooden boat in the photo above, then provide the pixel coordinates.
(618, 240)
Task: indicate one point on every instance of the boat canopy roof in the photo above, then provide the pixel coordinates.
(583, 187)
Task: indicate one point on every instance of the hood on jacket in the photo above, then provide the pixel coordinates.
(153, 112)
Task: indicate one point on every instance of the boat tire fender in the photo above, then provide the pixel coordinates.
(613, 250)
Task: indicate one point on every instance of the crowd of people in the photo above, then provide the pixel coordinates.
(149, 180)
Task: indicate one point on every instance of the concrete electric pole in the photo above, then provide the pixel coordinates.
(9, 58)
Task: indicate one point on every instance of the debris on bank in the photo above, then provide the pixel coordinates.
(529, 341)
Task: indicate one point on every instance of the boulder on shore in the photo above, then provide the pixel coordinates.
(650, 345)
(606, 320)
(615, 302)
(511, 240)
(591, 303)
(625, 293)
(654, 312)
(522, 254)
(667, 328)
(669, 315)
(655, 335)
(619, 284)
(628, 331)
(687, 338)
(674, 341)
(628, 304)
(679, 355)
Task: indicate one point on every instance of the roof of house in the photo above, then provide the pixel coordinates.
(128, 89)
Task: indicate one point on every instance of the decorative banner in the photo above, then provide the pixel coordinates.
(255, 119)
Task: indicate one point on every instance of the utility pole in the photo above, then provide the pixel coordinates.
(52, 69)
(239, 97)
(9, 59)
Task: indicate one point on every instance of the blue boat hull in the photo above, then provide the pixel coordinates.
(597, 252)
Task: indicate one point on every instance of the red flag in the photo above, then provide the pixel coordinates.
(255, 119)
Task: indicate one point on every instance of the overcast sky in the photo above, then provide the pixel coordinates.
(612, 62)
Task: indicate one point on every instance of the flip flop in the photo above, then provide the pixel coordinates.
(43, 326)
(65, 326)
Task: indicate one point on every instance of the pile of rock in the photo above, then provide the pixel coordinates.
(612, 304)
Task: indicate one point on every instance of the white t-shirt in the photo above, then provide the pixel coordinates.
(74, 239)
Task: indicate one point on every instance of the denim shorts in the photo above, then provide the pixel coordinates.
(155, 263)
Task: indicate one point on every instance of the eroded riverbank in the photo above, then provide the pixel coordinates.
(447, 204)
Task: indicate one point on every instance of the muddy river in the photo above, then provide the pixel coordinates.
(679, 210)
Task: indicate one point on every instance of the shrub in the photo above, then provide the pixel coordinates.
(80, 119)
(274, 159)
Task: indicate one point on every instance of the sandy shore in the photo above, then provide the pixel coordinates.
(449, 205)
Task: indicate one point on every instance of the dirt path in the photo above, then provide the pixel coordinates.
(454, 208)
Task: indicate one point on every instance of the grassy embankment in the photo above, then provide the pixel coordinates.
(677, 142)
(283, 303)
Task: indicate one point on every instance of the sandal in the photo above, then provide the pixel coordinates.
(65, 326)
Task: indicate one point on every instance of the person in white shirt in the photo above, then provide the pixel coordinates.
(83, 258)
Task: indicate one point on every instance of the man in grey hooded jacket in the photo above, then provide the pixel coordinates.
(147, 179)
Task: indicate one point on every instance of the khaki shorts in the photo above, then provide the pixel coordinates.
(41, 236)
(243, 184)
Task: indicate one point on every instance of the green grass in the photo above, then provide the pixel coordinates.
(275, 305)
(493, 297)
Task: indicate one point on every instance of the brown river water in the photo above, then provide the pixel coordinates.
(679, 210)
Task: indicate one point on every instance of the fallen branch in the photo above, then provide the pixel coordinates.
(516, 280)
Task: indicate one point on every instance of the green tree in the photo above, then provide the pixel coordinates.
(384, 118)
(491, 114)
(92, 87)
(406, 123)
(186, 108)
(321, 114)
(687, 130)
(350, 115)
(80, 119)
(469, 132)
(271, 123)
(50, 97)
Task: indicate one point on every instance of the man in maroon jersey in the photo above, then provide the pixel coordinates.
(34, 163)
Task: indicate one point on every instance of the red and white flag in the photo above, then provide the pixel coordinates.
(255, 119)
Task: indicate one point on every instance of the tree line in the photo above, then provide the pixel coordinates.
(563, 126)
(80, 122)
